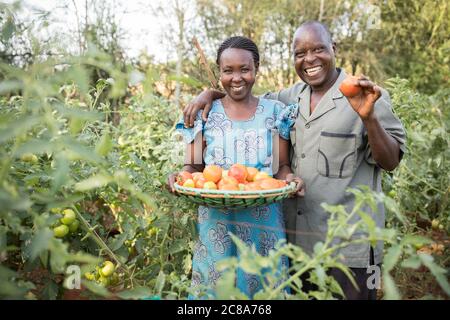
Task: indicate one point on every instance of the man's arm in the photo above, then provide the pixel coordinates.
(202, 101)
(384, 147)
(205, 99)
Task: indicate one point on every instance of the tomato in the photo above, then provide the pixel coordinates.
(89, 276)
(183, 176)
(108, 269)
(392, 193)
(114, 279)
(74, 226)
(29, 157)
(153, 231)
(350, 87)
(69, 217)
(189, 183)
(61, 231)
(104, 281)
(435, 223)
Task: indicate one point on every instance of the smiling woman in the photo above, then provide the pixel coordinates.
(243, 128)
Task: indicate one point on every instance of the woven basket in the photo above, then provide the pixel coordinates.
(234, 200)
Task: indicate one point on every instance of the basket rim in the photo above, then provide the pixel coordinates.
(234, 193)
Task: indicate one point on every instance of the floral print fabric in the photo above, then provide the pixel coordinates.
(250, 143)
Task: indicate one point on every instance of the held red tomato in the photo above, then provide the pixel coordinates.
(350, 87)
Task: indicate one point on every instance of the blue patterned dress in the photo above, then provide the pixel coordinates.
(250, 143)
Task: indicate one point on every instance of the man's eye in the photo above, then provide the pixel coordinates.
(299, 54)
(245, 70)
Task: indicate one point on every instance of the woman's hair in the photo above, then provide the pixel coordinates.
(239, 42)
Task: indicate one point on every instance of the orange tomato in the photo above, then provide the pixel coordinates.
(189, 183)
(212, 173)
(239, 172)
(261, 175)
(252, 186)
(350, 87)
(209, 185)
(268, 184)
(200, 182)
(228, 186)
(183, 176)
(227, 180)
(251, 173)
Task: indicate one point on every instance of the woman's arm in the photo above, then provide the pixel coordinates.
(284, 169)
(193, 160)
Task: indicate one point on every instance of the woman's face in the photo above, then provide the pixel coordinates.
(237, 72)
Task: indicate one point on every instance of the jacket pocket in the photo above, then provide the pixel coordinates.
(337, 154)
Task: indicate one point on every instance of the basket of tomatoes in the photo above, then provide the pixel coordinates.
(236, 188)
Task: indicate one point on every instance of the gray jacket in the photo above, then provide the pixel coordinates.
(330, 152)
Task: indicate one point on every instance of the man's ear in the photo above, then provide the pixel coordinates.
(334, 47)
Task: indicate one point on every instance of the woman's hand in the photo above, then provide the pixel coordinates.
(171, 179)
(299, 185)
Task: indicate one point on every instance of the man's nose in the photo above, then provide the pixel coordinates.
(310, 57)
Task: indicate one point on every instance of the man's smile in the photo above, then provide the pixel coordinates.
(312, 71)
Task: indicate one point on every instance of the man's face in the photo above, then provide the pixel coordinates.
(314, 58)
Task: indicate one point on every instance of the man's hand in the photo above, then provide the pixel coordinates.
(364, 102)
(202, 101)
(299, 185)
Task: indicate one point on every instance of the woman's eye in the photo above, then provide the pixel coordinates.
(226, 71)
(245, 70)
(319, 49)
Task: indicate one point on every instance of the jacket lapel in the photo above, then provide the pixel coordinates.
(327, 102)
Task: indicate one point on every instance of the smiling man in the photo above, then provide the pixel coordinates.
(337, 143)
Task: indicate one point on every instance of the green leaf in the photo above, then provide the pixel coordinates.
(61, 173)
(93, 182)
(36, 146)
(320, 273)
(96, 288)
(18, 127)
(160, 282)
(3, 242)
(40, 242)
(412, 262)
(81, 150)
(438, 272)
(391, 258)
(390, 289)
(104, 145)
(8, 30)
(177, 246)
(9, 85)
(50, 291)
(135, 293)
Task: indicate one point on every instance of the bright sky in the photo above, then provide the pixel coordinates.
(144, 29)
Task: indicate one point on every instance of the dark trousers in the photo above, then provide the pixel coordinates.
(351, 293)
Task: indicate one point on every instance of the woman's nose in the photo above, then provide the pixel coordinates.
(237, 76)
